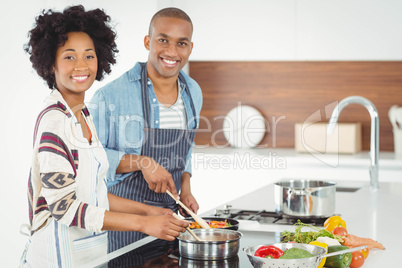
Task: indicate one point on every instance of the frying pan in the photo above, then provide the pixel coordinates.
(234, 223)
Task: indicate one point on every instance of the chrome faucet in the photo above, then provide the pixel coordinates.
(374, 136)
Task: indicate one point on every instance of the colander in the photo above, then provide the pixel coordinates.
(312, 262)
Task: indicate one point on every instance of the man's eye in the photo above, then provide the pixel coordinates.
(182, 43)
(163, 40)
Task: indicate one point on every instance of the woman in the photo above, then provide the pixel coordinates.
(69, 207)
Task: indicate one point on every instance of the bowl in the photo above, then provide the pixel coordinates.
(215, 244)
(311, 262)
(234, 223)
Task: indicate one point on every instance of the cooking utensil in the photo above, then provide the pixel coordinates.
(197, 218)
(215, 244)
(392, 116)
(311, 262)
(395, 117)
(305, 198)
(188, 229)
(234, 223)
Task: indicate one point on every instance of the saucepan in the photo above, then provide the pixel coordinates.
(312, 262)
(305, 198)
(215, 244)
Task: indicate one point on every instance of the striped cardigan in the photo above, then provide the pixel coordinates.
(62, 183)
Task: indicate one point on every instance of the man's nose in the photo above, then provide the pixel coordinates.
(171, 50)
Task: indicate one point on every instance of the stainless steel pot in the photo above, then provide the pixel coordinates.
(216, 244)
(305, 198)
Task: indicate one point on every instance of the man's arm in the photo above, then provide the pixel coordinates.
(157, 177)
(129, 215)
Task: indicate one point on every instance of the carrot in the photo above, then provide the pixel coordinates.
(355, 241)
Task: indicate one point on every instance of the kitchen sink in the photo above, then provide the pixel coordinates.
(347, 189)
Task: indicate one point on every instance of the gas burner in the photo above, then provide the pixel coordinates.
(267, 217)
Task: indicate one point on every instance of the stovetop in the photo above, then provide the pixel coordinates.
(161, 253)
(267, 217)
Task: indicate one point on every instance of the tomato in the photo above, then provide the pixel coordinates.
(364, 251)
(357, 259)
(339, 231)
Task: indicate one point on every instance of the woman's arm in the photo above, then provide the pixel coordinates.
(124, 205)
(129, 215)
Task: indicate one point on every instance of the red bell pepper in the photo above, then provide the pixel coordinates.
(271, 252)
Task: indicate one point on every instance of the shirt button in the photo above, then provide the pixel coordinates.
(154, 99)
(156, 122)
(127, 117)
(149, 82)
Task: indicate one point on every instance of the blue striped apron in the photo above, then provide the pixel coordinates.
(169, 148)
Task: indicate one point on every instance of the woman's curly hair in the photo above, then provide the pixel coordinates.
(50, 32)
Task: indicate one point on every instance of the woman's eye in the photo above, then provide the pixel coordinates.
(90, 57)
(69, 57)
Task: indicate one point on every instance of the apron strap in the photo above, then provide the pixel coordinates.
(146, 107)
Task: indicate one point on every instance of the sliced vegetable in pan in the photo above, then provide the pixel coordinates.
(212, 224)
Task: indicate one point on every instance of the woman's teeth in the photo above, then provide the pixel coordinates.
(80, 78)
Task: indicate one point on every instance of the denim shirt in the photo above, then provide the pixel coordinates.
(118, 117)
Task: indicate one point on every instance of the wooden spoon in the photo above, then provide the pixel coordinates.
(188, 228)
(197, 218)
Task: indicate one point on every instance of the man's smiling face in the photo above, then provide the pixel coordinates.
(169, 45)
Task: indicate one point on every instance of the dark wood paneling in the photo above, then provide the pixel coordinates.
(294, 91)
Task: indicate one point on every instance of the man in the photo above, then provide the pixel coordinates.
(147, 118)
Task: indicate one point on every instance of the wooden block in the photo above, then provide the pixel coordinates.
(346, 138)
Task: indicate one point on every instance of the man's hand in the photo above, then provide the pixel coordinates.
(189, 200)
(157, 177)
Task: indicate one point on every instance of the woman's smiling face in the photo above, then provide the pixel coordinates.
(76, 64)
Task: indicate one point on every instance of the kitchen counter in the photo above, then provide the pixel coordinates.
(368, 213)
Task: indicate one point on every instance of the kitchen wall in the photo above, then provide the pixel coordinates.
(290, 92)
(226, 30)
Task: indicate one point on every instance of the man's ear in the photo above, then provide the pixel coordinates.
(146, 42)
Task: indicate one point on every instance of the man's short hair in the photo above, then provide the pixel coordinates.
(170, 12)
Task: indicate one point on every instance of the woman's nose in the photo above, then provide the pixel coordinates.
(81, 68)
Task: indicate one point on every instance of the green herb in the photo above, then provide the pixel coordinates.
(307, 237)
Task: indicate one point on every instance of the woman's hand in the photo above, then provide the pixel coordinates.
(156, 211)
(165, 227)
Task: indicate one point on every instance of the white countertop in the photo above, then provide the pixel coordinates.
(222, 176)
(371, 214)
